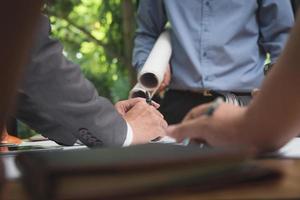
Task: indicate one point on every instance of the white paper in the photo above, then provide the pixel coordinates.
(11, 170)
(152, 73)
(291, 149)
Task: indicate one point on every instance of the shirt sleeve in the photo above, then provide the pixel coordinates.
(129, 136)
(151, 20)
(275, 18)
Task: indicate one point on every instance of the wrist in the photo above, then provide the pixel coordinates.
(246, 128)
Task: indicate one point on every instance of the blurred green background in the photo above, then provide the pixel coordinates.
(97, 35)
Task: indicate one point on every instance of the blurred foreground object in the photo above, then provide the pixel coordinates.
(135, 172)
(17, 19)
(9, 139)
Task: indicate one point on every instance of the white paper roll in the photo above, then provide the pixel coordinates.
(137, 91)
(152, 73)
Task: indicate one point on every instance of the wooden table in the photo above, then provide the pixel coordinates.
(286, 187)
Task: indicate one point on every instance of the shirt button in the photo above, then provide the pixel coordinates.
(205, 30)
(204, 54)
(207, 3)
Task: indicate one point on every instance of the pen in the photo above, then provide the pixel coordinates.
(209, 112)
(148, 98)
(149, 101)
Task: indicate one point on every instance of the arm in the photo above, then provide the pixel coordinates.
(58, 101)
(271, 120)
(275, 19)
(275, 114)
(151, 20)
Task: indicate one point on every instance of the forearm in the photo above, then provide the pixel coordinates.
(274, 116)
(60, 91)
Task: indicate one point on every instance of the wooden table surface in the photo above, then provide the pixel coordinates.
(285, 187)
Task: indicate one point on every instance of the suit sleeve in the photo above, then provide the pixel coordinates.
(59, 102)
(275, 18)
(151, 20)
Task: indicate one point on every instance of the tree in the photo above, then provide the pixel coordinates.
(98, 35)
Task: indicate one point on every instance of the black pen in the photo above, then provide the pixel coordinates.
(149, 102)
(148, 98)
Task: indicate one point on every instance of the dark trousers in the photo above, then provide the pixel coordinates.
(176, 104)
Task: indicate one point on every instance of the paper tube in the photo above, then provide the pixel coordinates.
(152, 73)
(137, 91)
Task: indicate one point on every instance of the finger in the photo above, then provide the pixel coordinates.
(120, 109)
(167, 79)
(172, 132)
(156, 105)
(156, 113)
(124, 106)
(140, 99)
(164, 124)
(189, 129)
(161, 132)
(162, 87)
(141, 105)
(196, 112)
(132, 102)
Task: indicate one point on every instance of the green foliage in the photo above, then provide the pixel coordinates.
(24, 131)
(91, 32)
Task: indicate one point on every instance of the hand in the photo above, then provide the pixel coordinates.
(220, 129)
(146, 122)
(166, 80)
(124, 106)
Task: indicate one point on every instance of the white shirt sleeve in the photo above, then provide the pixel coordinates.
(129, 136)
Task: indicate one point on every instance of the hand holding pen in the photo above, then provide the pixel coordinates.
(191, 119)
(148, 98)
(209, 112)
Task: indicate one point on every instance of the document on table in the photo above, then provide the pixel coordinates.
(11, 170)
(291, 149)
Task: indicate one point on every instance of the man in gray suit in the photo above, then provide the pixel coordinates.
(56, 100)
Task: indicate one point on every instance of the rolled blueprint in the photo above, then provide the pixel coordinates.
(152, 73)
(137, 91)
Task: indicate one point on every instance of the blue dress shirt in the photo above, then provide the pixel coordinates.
(217, 44)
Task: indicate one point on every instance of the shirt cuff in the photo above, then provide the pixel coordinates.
(129, 136)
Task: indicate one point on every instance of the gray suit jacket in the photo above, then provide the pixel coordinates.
(56, 100)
